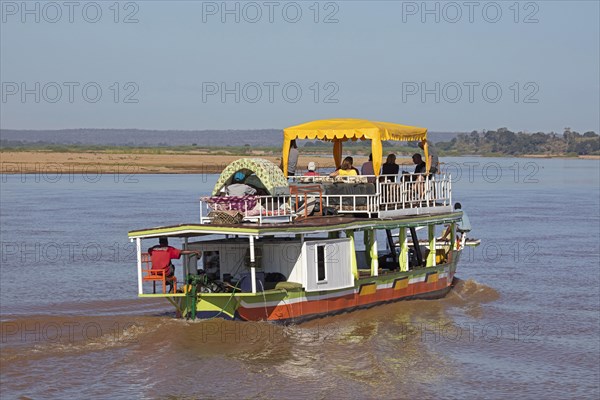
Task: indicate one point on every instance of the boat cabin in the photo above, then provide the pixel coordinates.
(314, 254)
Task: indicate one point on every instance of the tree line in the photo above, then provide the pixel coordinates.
(505, 142)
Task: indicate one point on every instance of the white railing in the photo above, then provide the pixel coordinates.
(345, 203)
(415, 191)
(253, 208)
(294, 180)
(355, 203)
(407, 194)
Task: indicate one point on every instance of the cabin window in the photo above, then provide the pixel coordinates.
(321, 270)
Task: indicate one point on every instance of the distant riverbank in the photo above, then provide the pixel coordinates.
(24, 162)
(27, 162)
(585, 157)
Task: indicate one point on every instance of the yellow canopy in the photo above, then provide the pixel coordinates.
(343, 129)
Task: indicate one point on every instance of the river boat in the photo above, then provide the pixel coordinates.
(310, 246)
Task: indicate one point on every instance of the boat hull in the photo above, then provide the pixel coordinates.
(298, 305)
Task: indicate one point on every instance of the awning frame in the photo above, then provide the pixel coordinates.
(341, 130)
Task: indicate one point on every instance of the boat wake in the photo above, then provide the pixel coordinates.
(471, 292)
(56, 335)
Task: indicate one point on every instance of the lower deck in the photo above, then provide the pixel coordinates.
(337, 260)
(297, 305)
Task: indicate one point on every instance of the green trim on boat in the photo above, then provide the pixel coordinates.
(278, 295)
(190, 230)
(226, 305)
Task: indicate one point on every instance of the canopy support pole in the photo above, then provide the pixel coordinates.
(285, 153)
(432, 252)
(353, 263)
(337, 153)
(377, 153)
(372, 248)
(391, 245)
(415, 240)
(138, 246)
(186, 260)
(403, 249)
(453, 244)
(426, 152)
(252, 265)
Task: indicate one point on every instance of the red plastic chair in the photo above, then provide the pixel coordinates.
(154, 275)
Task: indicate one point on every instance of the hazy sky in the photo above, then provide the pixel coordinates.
(447, 66)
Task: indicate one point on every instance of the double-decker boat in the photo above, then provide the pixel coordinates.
(303, 247)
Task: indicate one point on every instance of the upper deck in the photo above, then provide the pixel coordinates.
(366, 196)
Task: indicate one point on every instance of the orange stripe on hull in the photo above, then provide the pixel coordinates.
(336, 304)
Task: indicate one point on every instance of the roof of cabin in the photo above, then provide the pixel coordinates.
(304, 226)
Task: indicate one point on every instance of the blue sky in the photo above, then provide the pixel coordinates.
(448, 66)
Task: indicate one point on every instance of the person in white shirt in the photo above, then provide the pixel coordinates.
(463, 226)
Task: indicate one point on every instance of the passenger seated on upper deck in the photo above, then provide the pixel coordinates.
(367, 169)
(420, 166)
(352, 163)
(390, 167)
(311, 169)
(238, 187)
(420, 169)
(346, 169)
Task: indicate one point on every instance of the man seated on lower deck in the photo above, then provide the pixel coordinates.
(161, 256)
(462, 227)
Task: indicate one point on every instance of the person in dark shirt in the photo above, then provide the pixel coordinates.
(420, 166)
(418, 176)
(390, 167)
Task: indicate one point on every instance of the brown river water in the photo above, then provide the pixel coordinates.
(523, 320)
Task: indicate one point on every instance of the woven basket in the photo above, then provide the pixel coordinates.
(226, 217)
